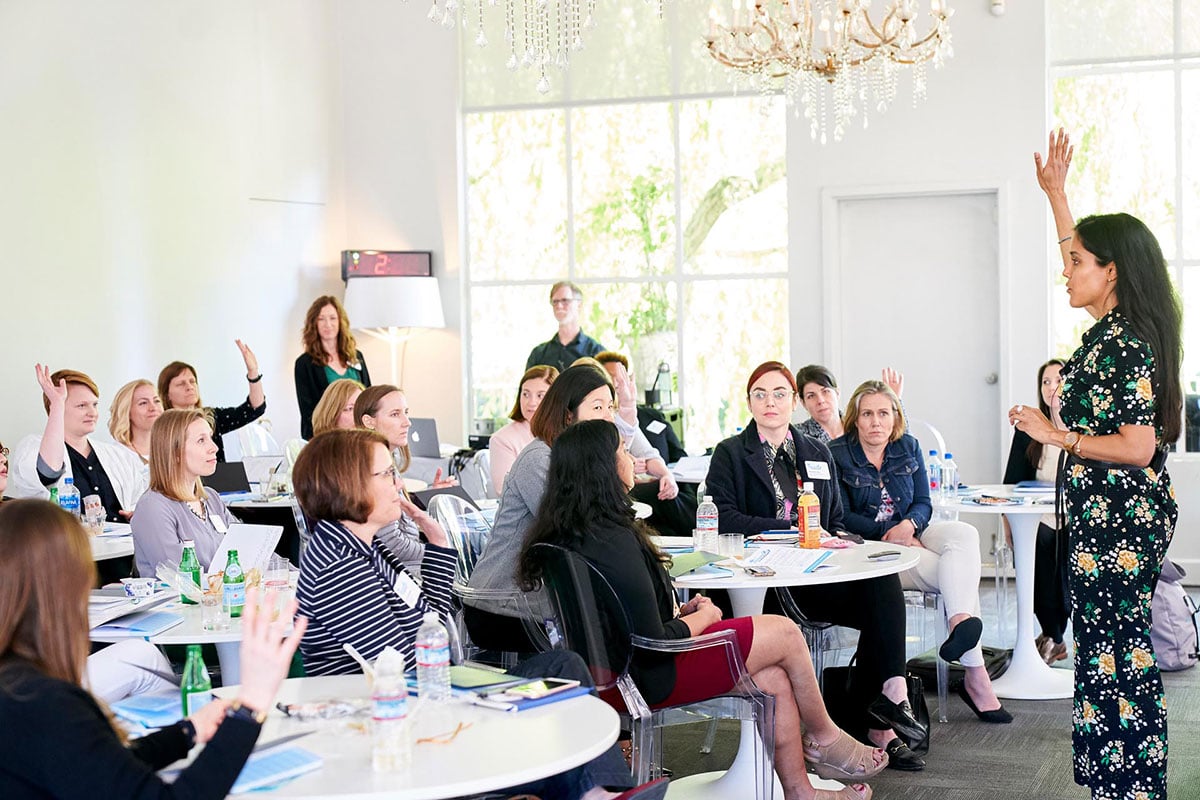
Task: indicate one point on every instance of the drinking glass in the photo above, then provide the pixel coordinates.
(731, 545)
(213, 615)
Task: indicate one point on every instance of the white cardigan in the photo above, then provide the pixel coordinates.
(125, 470)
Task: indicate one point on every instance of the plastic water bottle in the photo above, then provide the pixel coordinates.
(196, 686)
(433, 660)
(707, 526)
(68, 497)
(391, 745)
(949, 477)
(933, 469)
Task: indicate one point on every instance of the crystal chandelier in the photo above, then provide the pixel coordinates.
(828, 54)
(537, 33)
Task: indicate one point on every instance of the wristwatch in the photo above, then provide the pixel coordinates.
(238, 711)
(1071, 441)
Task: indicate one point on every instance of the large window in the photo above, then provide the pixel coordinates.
(664, 199)
(1125, 81)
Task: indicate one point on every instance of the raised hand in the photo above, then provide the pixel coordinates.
(56, 394)
(250, 359)
(1052, 171)
(266, 654)
(894, 380)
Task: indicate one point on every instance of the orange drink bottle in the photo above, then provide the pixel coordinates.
(809, 521)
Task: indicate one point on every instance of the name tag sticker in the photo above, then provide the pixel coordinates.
(218, 524)
(816, 470)
(408, 590)
(656, 427)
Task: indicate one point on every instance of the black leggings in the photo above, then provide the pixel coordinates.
(875, 608)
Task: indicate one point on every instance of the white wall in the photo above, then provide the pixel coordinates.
(166, 188)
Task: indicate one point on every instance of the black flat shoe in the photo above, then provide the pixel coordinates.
(964, 636)
(897, 716)
(902, 758)
(997, 716)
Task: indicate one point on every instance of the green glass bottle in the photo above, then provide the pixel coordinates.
(189, 567)
(196, 688)
(54, 495)
(235, 585)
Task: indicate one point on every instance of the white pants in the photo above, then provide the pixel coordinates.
(113, 673)
(949, 565)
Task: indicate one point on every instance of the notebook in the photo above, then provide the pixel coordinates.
(273, 766)
(151, 710)
(145, 624)
(423, 438)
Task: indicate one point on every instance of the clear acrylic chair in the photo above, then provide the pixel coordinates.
(467, 531)
(592, 621)
(818, 635)
(927, 602)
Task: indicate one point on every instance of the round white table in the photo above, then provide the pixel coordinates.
(111, 546)
(227, 642)
(500, 749)
(747, 594)
(1028, 677)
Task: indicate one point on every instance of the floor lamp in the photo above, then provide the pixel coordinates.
(388, 308)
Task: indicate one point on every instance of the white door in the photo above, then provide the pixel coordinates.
(917, 288)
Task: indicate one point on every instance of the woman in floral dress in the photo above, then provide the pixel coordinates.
(1121, 402)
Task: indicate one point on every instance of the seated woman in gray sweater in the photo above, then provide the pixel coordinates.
(494, 622)
(178, 508)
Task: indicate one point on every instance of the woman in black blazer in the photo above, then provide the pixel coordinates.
(753, 481)
(1030, 461)
(329, 353)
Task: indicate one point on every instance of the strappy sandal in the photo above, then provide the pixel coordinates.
(846, 793)
(845, 759)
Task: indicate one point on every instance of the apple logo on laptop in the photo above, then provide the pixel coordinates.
(415, 436)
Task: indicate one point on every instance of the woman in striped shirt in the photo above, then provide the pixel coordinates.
(353, 587)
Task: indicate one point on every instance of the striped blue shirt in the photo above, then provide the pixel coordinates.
(347, 591)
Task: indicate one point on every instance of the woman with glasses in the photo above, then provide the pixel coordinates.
(753, 480)
(354, 587)
(885, 497)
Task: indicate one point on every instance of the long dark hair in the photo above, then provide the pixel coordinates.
(583, 492)
(1034, 451)
(562, 400)
(1147, 299)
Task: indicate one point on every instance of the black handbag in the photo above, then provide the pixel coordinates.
(847, 703)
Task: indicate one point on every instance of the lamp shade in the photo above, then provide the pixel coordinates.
(394, 302)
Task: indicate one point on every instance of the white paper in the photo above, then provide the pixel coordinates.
(791, 558)
(691, 468)
(255, 545)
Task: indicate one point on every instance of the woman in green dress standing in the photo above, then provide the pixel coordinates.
(1121, 402)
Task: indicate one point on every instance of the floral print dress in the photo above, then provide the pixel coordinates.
(1120, 522)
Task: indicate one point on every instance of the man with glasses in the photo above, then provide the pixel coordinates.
(570, 343)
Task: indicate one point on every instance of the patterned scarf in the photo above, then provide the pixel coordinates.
(781, 466)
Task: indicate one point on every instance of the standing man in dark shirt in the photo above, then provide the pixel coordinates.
(570, 343)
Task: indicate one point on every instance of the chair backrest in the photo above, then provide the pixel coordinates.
(466, 528)
(591, 619)
(929, 437)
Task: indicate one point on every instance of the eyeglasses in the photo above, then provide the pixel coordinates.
(779, 395)
(566, 301)
(390, 473)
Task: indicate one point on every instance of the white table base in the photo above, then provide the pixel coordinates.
(1029, 677)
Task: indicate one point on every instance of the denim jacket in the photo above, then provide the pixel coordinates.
(903, 474)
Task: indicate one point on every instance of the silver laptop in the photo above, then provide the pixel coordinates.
(423, 438)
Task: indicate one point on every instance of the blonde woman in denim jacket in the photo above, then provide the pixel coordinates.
(885, 496)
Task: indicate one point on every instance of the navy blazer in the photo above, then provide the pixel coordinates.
(861, 485)
(741, 487)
